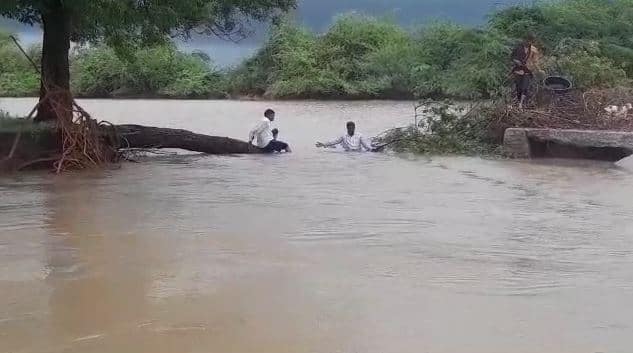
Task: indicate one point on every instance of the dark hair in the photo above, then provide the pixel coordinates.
(530, 37)
(351, 123)
(275, 131)
(268, 112)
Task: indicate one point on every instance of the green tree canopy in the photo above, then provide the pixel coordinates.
(135, 20)
(126, 23)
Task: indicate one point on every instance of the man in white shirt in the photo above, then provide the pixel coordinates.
(264, 135)
(350, 141)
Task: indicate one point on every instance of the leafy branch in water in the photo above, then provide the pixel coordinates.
(445, 128)
(450, 128)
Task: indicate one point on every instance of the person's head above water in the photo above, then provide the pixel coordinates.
(275, 132)
(270, 114)
(351, 128)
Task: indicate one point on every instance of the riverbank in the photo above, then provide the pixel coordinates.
(361, 57)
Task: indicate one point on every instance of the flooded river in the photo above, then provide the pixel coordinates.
(317, 251)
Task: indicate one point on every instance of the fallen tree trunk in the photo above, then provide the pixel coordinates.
(41, 148)
(138, 136)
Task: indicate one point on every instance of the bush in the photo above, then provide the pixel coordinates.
(293, 70)
(156, 71)
(448, 130)
(350, 51)
(18, 78)
(462, 63)
(98, 72)
(360, 57)
(19, 84)
(583, 62)
(354, 59)
(193, 78)
(589, 41)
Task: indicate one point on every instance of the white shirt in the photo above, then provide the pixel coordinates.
(263, 133)
(351, 143)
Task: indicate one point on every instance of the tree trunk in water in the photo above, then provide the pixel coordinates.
(137, 136)
(41, 150)
(55, 66)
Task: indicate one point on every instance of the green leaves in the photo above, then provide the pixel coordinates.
(128, 27)
(160, 71)
(352, 60)
(133, 23)
(590, 41)
(446, 130)
(17, 77)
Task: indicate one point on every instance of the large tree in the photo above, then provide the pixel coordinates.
(124, 24)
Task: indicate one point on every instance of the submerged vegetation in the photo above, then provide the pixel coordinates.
(478, 129)
(445, 128)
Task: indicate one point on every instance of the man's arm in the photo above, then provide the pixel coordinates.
(256, 130)
(251, 136)
(331, 143)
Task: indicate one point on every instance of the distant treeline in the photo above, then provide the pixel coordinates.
(588, 41)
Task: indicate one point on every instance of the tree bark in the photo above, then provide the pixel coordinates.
(40, 150)
(55, 65)
(137, 136)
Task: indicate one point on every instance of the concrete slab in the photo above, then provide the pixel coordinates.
(529, 143)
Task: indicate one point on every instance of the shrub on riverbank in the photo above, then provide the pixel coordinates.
(359, 57)
(160, 71)
(588, 41)
(17, 77)
(347, 62)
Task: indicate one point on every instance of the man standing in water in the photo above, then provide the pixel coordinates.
(350, 141)
(264, 135)
(524, 56)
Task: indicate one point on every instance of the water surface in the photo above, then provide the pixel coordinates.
(316, 251)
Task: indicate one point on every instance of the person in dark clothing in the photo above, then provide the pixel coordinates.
(275, 145)
(520, 70)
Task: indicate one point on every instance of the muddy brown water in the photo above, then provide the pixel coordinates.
(318, 251)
